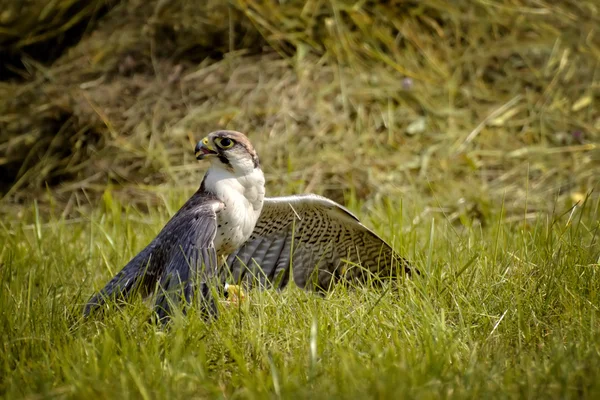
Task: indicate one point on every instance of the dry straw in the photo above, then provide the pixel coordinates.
(459, 104)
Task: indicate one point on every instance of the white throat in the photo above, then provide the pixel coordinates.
(242, 195)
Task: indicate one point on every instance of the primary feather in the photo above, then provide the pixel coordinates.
(183, 251)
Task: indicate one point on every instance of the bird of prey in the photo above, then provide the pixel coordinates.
(229, 231)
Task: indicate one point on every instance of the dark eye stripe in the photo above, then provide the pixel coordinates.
(223, 159)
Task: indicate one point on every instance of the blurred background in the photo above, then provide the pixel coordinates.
(461, 107)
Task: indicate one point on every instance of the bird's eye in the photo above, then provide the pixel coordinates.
(224, 143)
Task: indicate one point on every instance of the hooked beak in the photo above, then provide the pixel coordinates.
(204, 149)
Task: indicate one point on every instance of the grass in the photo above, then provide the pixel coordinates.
(466, 133)
(507, 310)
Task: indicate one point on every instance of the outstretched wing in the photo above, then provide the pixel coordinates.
(317, 239)
(189, 269)
(139, 274)
(181, 255)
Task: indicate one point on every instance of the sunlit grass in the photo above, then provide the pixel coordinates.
(506, 310)
(464, 133)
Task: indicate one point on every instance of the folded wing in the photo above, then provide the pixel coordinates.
(315, 241)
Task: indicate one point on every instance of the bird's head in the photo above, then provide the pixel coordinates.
(229, 150)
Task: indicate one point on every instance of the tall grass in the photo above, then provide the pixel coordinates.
(507, 310)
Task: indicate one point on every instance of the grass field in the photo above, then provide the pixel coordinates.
(510, 310)
(463, 132)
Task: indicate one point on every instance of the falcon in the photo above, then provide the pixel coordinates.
(228, 231)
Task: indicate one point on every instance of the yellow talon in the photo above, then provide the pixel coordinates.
(235, 294)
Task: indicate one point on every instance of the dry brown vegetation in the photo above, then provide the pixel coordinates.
(459, 105)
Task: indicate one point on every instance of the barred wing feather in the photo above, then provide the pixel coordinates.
(315, 241)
